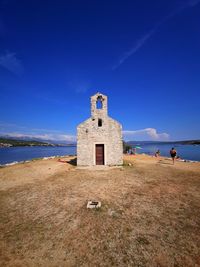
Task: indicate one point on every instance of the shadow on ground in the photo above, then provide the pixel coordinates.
(72, 161)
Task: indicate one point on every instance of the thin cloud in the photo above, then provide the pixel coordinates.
(45, 130)
(82, 88)
(16, 127)
(17, 131)
(7, 126)
(2, 28)
(10, 62)
(135, 48)
(140, 42)
(192, 3)
(79, 86)
(147, 134)
(52, 99)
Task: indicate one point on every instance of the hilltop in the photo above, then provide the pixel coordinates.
(9, 142)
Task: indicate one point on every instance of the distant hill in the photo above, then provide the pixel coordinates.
(13, 142)
(34, 139)
(189, 142)
(184, 142)
(10, 142)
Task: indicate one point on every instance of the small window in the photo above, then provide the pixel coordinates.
(99, 102)
(99, 122)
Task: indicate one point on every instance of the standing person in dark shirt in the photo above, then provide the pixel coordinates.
(173, 154)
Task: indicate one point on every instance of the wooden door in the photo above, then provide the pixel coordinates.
(100, 154)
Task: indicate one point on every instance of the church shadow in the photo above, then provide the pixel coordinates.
(72, 161)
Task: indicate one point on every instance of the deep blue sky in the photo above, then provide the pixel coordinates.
(144, 55)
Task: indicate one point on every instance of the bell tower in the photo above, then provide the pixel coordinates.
(99, 106)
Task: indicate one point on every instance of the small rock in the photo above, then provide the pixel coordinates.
(93, 204)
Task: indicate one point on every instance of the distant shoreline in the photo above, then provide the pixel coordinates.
(11, 142)
(34, 159)
(50, 145)
(6, 142)
(188, 142)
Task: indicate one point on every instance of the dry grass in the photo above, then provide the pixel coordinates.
(149, 215)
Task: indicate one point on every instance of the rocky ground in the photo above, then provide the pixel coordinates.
(149, 215)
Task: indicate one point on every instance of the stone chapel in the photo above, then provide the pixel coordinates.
(99, 138)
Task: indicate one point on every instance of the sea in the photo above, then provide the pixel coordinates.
(18, 154)
(26, 153)
(185, 152)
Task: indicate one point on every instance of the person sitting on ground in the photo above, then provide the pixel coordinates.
(157, 154)
(173, 154)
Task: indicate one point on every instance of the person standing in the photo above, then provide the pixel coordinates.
(173, 154)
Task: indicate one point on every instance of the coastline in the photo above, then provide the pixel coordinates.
(33, 159)
(57, 156)
(20, 154)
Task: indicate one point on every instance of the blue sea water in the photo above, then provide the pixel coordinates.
(187, 152)
(11, 154)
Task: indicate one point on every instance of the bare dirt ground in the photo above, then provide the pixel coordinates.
(150, 214)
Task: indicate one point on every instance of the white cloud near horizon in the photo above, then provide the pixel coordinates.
(147, 134)
(13, 130)
(10, 62)
(140, 42)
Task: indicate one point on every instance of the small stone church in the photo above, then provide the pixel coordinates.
(99, 138)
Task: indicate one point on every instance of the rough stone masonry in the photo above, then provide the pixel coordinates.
(99, 138)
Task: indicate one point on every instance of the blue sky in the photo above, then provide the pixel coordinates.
(144, 55)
